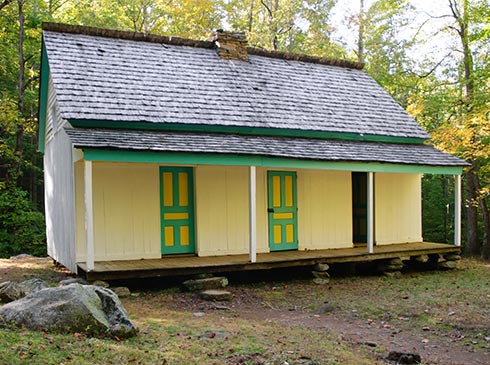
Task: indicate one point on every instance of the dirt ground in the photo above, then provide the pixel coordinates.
(436, 346)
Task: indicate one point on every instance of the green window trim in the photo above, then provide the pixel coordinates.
(243, 160)
(255, 131)
(43, 99)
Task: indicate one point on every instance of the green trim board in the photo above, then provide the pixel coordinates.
(43, 99)
(255, 131)
(246, 160)
(282, 210)
(177, 210)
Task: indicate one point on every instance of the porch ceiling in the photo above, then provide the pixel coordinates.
(264, 146)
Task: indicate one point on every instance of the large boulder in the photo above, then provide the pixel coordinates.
(10, 291)
(72, 308)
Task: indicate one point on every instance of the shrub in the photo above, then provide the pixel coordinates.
(22, 229)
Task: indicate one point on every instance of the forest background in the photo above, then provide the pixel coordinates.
(435, 62)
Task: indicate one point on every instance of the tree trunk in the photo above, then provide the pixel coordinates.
(360, 40)
(251, 16)
(472, 244)
(19, 135)
(486, 221)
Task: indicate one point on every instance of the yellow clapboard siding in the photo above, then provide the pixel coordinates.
(277, 234)
(183, 189)
(283, 215)
(276, 191)
(175, 216)
(289, 233)
(184, 235)
(168, 191)
(169, 236)
(288, 187)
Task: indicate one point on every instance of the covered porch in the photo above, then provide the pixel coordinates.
(188, 265)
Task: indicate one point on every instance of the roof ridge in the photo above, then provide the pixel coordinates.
(179, 41)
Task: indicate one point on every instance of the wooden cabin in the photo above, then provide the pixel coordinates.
(167, 156)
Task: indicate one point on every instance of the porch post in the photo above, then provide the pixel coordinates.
(89, 216)
(370, 212)
(457, 210)
(253, 214)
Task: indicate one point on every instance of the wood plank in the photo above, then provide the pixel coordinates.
(188, 265)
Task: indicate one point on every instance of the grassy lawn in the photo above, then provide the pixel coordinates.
(178, 328)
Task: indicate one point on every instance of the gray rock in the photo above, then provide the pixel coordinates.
(325, 308)
(72, 308)
(448, 265)
(216, 295)
(389, 267)
(73, 281)
(396, 261)
(392, 274)
(321, 274)
(101, 283)
(319, 281)
(321, 267)
(422, 259)
(21, 256)
(404, 357)
(452, 257)
(206, 283)
(10, 291)
(121, 291)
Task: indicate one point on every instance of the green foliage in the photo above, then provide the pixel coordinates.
(22, 229)
(437, 208)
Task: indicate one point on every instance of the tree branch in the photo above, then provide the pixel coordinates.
(5, 3)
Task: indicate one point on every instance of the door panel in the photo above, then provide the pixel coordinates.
(177, 210)
(282, 211)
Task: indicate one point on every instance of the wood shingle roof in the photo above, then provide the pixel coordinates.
(122, 80)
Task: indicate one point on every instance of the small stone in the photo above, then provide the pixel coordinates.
(325, 308)
(396, 261)
(404, 357)
(216, 295)
(73, 281)
(21, 256)
(199, 314)
(321, 267)
(452, 257)
(121, 291)
(319, 281)
(448, 265)
(206, 284)
(321, 275)
(101, 283)
(203, 276)
(392, 274)
(422, 259)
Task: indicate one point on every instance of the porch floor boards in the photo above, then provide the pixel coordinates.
(188, 265)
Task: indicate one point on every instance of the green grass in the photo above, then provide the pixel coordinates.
(453, 303)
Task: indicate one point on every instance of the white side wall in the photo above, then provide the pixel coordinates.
(398, 208)
(59, 187)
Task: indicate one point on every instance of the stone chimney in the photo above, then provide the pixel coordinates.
(230, 45)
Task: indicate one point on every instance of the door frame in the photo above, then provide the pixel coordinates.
(273, 210)
(190, 209)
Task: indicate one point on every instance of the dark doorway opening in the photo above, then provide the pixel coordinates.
(359, 208)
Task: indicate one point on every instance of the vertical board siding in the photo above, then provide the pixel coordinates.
(222, 210)
(126, 211)
(324, 209)
(59, 191)
(398, 208)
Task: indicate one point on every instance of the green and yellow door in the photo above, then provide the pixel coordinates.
(177, 210)
(282, 210)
